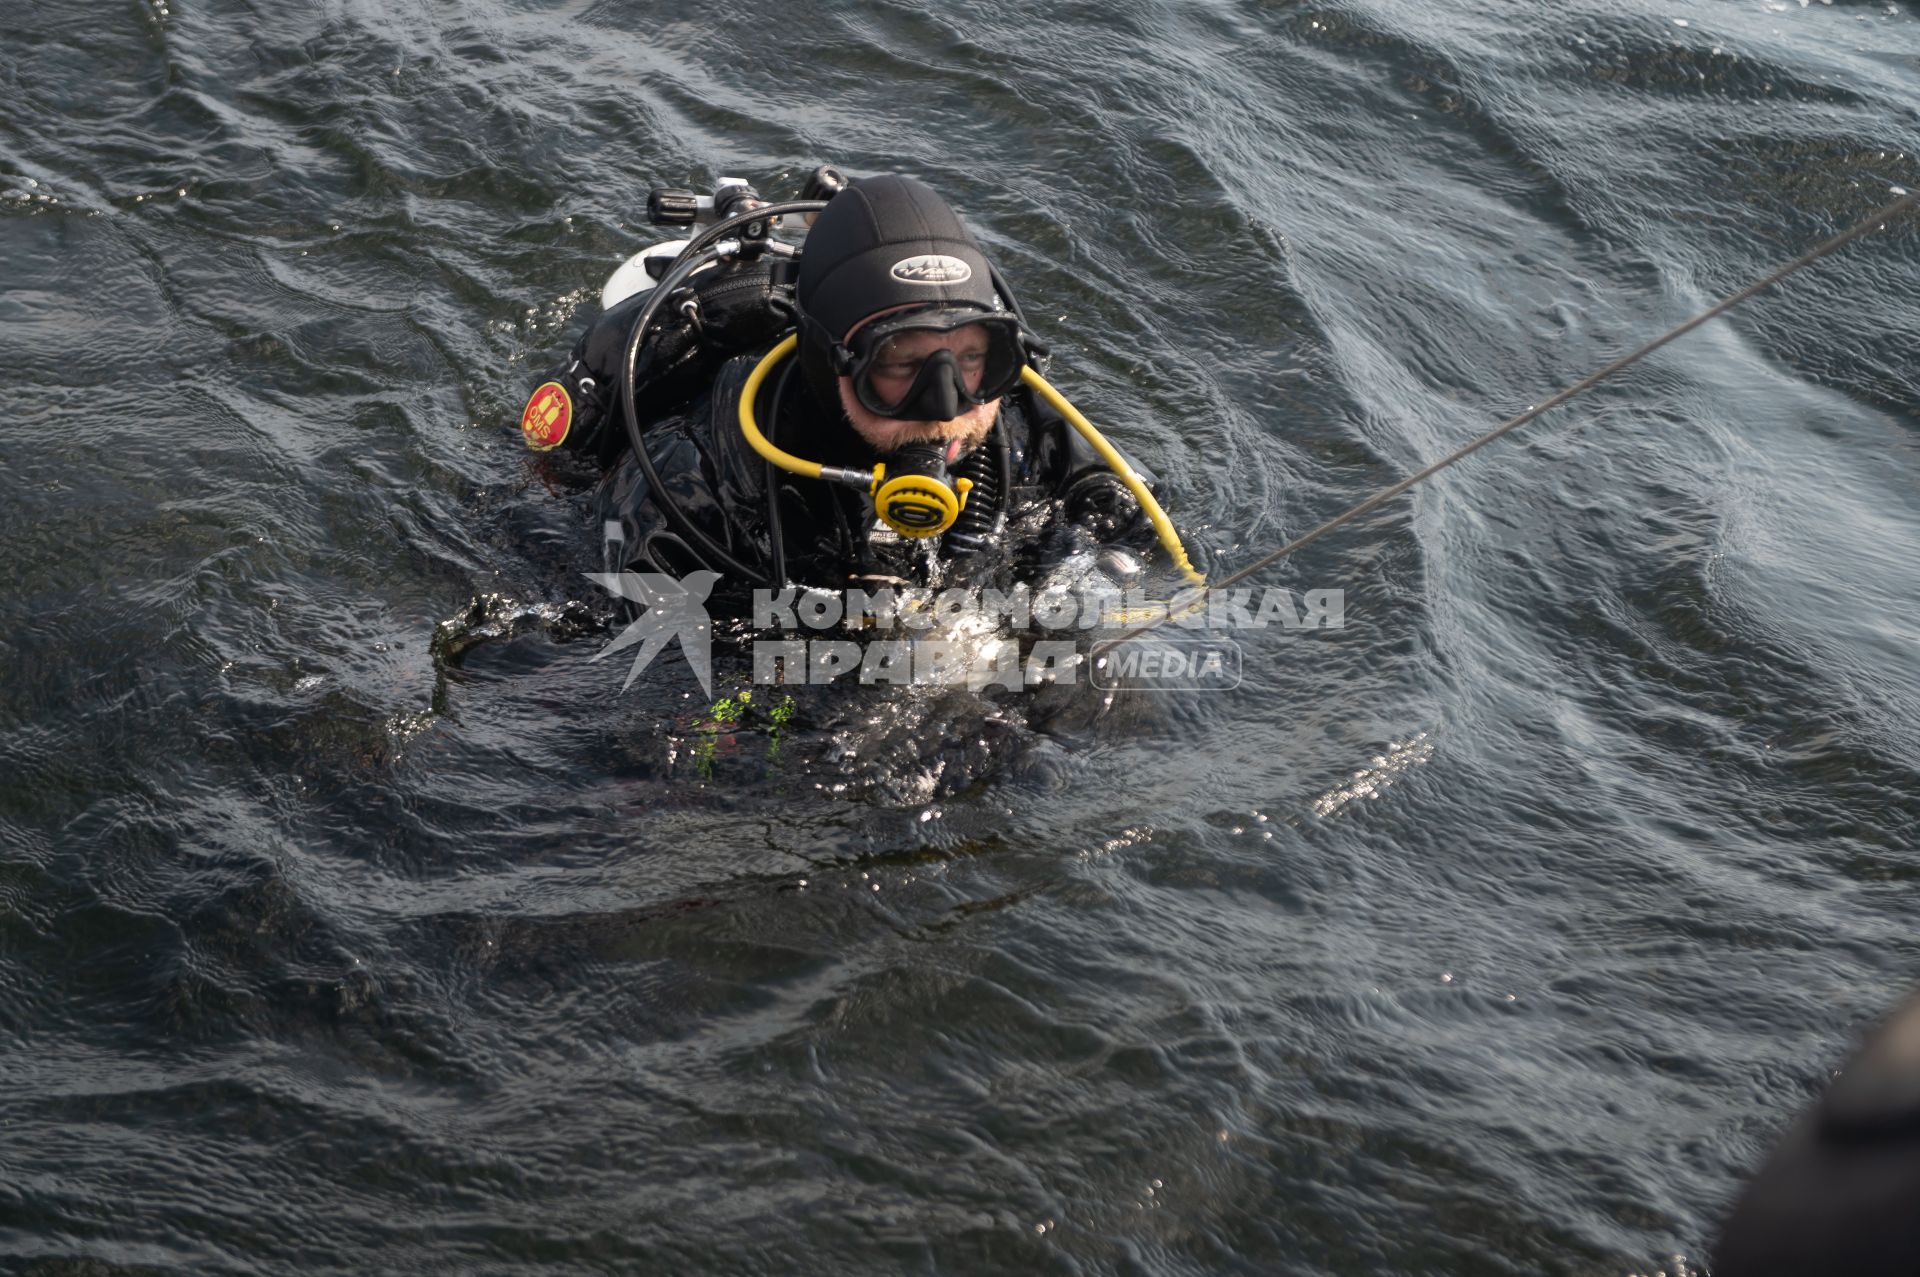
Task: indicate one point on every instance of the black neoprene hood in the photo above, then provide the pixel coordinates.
(883, 242)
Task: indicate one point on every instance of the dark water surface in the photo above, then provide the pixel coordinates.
(1498, 932)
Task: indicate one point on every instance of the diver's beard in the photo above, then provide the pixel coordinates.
(884, 434)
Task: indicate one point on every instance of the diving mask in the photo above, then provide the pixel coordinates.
(932, 364)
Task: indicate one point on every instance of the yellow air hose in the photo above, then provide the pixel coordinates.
(1118, 464)
(751, 428)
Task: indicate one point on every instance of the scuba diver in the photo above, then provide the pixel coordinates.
(861, 410)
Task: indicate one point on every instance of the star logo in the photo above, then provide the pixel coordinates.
(675, 608)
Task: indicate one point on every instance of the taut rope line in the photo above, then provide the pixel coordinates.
(1194, 601)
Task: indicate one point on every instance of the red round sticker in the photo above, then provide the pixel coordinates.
(547, 417)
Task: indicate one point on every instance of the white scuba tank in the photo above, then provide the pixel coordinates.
(632, 277)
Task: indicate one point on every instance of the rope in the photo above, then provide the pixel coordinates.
(1192, 601)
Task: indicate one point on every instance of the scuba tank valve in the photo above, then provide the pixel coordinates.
(732, 196)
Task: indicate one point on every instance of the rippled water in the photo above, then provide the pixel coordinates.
(1498, 932)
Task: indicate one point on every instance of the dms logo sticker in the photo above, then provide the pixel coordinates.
(932, 268)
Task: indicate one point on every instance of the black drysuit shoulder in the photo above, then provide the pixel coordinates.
(732, 309)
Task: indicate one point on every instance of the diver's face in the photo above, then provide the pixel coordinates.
(895, 366)
(897, 363)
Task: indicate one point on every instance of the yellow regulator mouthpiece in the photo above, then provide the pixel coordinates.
(918, 505)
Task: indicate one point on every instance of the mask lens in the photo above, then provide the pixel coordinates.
(985, 353)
